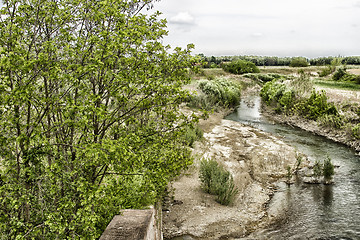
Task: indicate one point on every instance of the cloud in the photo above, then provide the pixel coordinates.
(357, 4)
(183, 18)
(257, 35)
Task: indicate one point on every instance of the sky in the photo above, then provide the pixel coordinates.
(309, 28)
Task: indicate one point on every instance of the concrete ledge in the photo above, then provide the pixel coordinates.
(134, 225)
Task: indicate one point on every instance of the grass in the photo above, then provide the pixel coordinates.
(337, 84)
(289, 70)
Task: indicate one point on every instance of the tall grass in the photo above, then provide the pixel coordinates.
(217, 181)
(217, 92)
(337, 85)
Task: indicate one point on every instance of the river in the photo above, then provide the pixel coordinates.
(311, 211)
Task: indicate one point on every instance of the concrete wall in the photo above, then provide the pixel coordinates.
(135, 225)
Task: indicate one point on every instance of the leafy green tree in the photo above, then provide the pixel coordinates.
(90, 121)
(299, 62)
(240, 67)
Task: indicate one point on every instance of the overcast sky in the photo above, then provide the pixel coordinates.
(310, 28)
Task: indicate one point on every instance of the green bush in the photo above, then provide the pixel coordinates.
(302, 85)
(299, 62)
(333, 121)
(208, 169)
(341, 72)
(222, 91)
(192, 134)
(351, 78)
(240, 67)
(325, 169)
(278, 95)
(316, 106)
(328, 169)
(317, 169)
(327, 71)
(356, 131)
(201, 101)
(217, 181)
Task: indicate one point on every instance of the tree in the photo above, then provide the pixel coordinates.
(240, 67)
(299, 62)
(89, 114)
(328, 169)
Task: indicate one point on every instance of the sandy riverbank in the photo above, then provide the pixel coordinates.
(257, 160)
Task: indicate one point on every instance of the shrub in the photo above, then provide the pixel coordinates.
(325, 169)
(201, 101)
(278, 95)
(240, 67)
(316, 105)
(317, 169)
(327, 71)
(302, 85)
(340, 73)
(288, 174)
(216, 180)
(192, 134)
(356, 131)
(334, 121)
(351, 78)
(328, 169)
(208, 169)
(223, 91)
(299, 62)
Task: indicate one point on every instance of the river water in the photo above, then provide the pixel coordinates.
(311, 211)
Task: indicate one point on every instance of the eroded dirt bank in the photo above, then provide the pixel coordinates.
(342, 135)
(256, 160)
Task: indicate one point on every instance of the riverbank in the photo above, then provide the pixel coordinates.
(257, 161)
(341, 135)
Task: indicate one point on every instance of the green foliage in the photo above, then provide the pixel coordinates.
(240, 67)
(264, 77)
(354, 60)
(351, 78)
(299, 62)
(302, 85)
(342, 75)
(322, 61)
(218, 92)
(325, 169)
(278, 95)
(328, 169)
(330, 68)
(316, 106)
(331, 120)
(192, 134)
(356, 131)
(299, 160)
(339, 74)
(327, 71)
(338, 84)
(90, 120)
(288, 174)
(207, 171)
(216, 180)
(317, 169)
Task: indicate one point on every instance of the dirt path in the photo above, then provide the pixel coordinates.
(256, 160)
